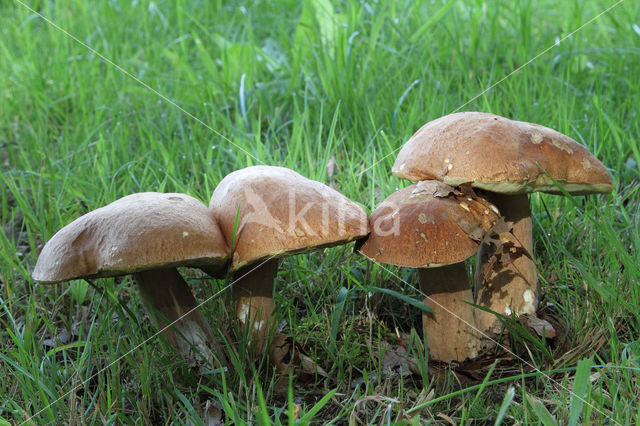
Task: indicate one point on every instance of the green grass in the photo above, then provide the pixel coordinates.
(294, 83)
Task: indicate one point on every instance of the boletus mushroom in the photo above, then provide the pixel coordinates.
(505, 159)
(147, 235)
(279, 213)
(435, 228)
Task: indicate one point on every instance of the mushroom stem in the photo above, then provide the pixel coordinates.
(511, 288)
(450, 330)
(167, 298)
(253, 300)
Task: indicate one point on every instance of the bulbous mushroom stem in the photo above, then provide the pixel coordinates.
(253, 300)
(167, 298)
(514, 287)
(451, 329)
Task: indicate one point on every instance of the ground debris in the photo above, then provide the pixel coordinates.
(397, 361)
(542, 327)
(286, 354)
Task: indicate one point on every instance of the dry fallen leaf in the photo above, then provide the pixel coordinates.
(280, 353)
(467, 189)
(62, 338)
(446, 418)
(398, 360)
(473, 229)
(296, 411)
(287, 354)
(212, 414)
(543, 328)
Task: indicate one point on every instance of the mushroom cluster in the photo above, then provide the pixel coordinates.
(256, 216)
(503, 160)
(472, 170)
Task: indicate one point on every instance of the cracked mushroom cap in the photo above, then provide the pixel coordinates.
(500, 155)
(427, 225)
(135, 233)
(281, 212)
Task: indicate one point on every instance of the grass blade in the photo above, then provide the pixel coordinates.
(434, 19)
(506, 402)
(580, 387)
(413, 302)
(316, 408)
(541, 411)
(337, 314)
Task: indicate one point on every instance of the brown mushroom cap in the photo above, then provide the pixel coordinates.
(281, 213)
(135, 233)
(428, 224)
(500, 155)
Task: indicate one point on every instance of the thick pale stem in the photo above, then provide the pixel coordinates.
(512, 288)
(253, 300)
(167, 298)
(451, 329)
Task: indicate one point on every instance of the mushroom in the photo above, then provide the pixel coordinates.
(279, 213)
(435, 228)
(147, 235)
(507, 159)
